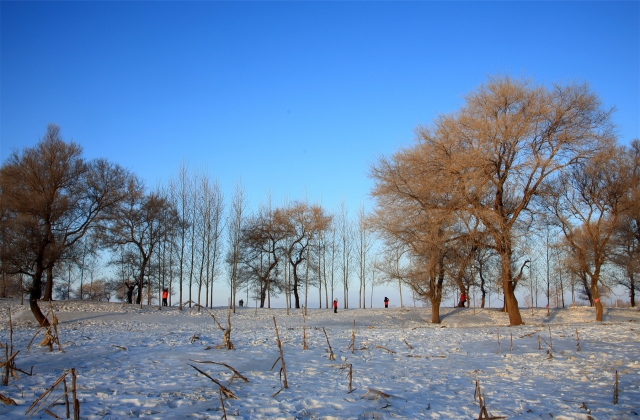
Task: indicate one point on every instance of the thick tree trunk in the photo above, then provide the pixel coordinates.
(48, 289)
(296, 296)
(34, 294)
(508, 287)
(435, 311)
(597, 303)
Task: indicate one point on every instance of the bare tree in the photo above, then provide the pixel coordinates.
(627, 233)
(141, 221)
(587, 202)
(260, 252)
(236, 219)
(180, 192)
(496, 152)
(52, 197)
(345, 249)
(363, 244)
(303, 223)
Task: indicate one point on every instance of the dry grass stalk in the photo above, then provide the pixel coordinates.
(550, 341)
(227, 333)
(479, 396)
(332, 356)
(235, 372)
(511, 345)
(539, 346)
(350, 376)
(50, 332)
(283, 368)
(352, 346)
(499, 347)
(615, 390)
(530, 334)
(304, 331)
(7, 400)
(578, 338)
(226, 391)
(408, 345)
(224, 411)
(43, 398)
(384, 348)
(477, 391)
(119, 347)
(226, 337)
(545, 342)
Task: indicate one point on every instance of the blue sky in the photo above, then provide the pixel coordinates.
(294, 98)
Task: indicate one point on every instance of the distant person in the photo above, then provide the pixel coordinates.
(335, 306)
(241, 303)
(463, 300)
(386, 302)
(165, 295)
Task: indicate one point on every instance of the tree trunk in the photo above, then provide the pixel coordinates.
(632, 290)
(48, 289)
(508, 288)
(34, 295)
(435, 311)
(295, 287)
(597, 303)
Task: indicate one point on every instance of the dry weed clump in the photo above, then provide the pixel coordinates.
(43, 398)
(50, 332)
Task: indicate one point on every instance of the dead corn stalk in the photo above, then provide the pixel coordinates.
(578, 339)
(283, 368)
(223, 389)
(408, 345)
(352, 346)
(331, 355)
(615, 390)
(224, 411)
(50, 332)
(384, 348)
(9, 363)
(43, 398)
(7, 400)
(226, 337)
(479, 396)
(545, 341)
(350, 376)
(236, 374)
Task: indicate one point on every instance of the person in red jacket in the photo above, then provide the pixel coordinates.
(335, 306)
(386, 302)
(165, 295)
(463, 300)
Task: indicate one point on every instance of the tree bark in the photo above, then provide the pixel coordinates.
(35, 294)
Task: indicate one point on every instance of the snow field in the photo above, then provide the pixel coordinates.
(134, 363)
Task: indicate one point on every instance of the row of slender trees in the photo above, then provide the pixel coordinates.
(484, 200)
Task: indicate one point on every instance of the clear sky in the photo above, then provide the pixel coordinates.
(294, 98)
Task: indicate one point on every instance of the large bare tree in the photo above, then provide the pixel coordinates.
(588, 202)
(496, 152)
(303, 224)
(142, 222)
(52, 197)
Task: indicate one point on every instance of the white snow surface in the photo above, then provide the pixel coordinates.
(135, 362)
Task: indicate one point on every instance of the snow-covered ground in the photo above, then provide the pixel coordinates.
(134, 362)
